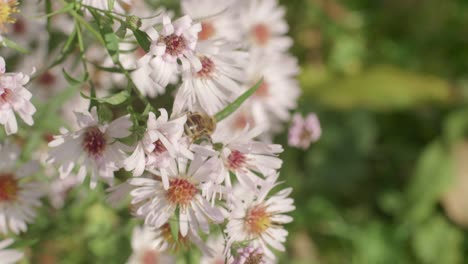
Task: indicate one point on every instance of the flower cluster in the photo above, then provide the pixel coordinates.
(204, 160)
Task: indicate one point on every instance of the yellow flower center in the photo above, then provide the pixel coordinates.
(7, 9)
(257, 220)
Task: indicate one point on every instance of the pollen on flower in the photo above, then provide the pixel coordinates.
(8, 187)
(7, 9)
(236, 160)
(257, 220)
(159, 147)
(94, 142)
(261, 34)
(207, 69)
(175, 44)
(181, 191)
(207, 31)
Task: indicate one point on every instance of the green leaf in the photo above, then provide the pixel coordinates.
(13, 45)
(435, 234)
(433, 176)
(381, 88)
(110, 4)
(72, 81)
(143, 39)
(104, 113)
(174, 224)
(115, 99)
(121, 31)
(232, 107)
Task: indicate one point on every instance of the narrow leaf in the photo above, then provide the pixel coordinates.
(143, 39)
(232, 107)
(13, 45)
(174, 224)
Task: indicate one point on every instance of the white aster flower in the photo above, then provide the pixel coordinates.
(158, 205)
(218, 21)
(145, 248)
(264, 25)
(217, 82)
(217, 244)
(240, 154)
(162, 141)
(279, 91)
(259, 218)
(19, 196)
(14, 97)
(94, 147)
(9, 256)
(174, 43)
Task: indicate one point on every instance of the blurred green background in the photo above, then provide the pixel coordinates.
(387, 182)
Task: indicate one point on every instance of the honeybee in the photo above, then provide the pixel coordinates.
(199, 125)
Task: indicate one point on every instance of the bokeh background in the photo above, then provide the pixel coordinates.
(388, 180)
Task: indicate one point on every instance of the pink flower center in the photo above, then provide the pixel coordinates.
(5, 96)
(236, 160)
(47, 79)
(257, 220)
(175, 45)
(94, 142)
(261, 34)
(207, 31)
(262, 91)
(159, 147)
(19, 27)
(207, 67)
(181, 191)
(150, 257)
(8, 187)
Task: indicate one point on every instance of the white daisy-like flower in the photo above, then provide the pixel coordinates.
(279, 91)
(264, 25)
(9, 256)
(165, 241)
(217, 244)
(94, 147)
(240, 154)
(158, 205)
(162, 141)
(174, 43)
(218, 21)
(259, 218)
(145, 248)
(217, 82)
(19, 196)
(14, 97)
